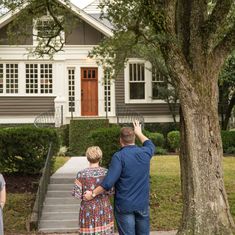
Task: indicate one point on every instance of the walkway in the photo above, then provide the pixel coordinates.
(60, 211)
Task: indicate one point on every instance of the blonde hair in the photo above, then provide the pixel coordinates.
(94, 154)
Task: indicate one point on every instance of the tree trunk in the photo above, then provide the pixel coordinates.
(206, 209)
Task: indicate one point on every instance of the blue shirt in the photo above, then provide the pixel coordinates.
(129, 173)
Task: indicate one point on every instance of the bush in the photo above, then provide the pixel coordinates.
(24, 149)
(63, 133)
(108, 140)
(228, 140)
(79, 130)
(157, 138)
(160, 151)
(173, 138)
(164, 127)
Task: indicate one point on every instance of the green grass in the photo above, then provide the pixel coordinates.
(58, 162)
(166, 200)
(17, 211)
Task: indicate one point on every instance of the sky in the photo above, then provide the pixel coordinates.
(81, 3)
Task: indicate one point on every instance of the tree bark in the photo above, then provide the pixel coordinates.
(206, 208)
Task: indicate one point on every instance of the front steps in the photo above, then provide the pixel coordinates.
(60, 211)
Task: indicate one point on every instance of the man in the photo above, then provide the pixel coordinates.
(129, 173)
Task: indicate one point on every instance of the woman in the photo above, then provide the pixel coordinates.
(2, 201)
(96, 216)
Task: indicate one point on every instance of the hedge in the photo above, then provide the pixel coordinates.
(108, 140)
(79, 130)
(228, 140)
(24, 149)
(157, 138)
(63, 133)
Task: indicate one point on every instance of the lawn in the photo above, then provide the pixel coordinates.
(166, 200)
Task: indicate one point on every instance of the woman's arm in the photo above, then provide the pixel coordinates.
(3, 196)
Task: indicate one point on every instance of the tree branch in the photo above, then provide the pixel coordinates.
(216, 19)
(224, 47)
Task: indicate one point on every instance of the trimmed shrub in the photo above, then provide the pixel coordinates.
(173, 138)
(160, 151)
(79, 131)
(108, 140)
(63, 133)
(157, 138)
(228, 140)
(164, 127)
(24, 149)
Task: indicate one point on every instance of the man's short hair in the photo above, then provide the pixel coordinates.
(127, 135)
(94, 154)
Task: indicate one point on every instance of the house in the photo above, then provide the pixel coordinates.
(71, 83)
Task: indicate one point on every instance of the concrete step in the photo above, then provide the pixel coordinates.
(58, 194)
(59, 230)
(55, 180)
(61, 208)
(58, 223)
(61, 201)
(60, 216)
(61, 187)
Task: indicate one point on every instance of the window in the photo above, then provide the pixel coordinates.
(31, 78)
(1, 78)
(157, 84)
(71, 89)
(107, 92)
(142, 85)
(45, 28)
(137, 80)
(46, 78)
(11, 78)
(39, 78)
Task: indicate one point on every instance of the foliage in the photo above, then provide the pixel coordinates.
(24, 149)
(173, 138)
(79, 131)
(227, 90)
(49, 34)
(108, 140)
(160, 151)
(228, 140)
(63, 133)
(157, 138)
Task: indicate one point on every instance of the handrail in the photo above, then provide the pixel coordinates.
(126, 116)
(41, 192)
(45, 119)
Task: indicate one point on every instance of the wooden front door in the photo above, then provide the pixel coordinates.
(89, 91)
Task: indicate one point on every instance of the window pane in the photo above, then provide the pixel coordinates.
(137, 90)
(157, 89)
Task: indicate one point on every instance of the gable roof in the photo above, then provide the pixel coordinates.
(93, 21)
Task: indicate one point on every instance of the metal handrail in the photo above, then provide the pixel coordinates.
(45, 119)
(126, 116)
(42, 190)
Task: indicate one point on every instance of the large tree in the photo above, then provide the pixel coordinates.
(192, 39)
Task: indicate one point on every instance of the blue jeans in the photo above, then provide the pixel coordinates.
(134, 223)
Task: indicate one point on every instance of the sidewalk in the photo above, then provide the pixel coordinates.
(70, 169)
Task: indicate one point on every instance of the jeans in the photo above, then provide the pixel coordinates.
(134, 223)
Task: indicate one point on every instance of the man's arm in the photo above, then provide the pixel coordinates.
(138, 131)
(110, 179)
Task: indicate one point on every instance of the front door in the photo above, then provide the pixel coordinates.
(89, 91)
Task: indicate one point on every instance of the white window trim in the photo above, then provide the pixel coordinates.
(148, 84)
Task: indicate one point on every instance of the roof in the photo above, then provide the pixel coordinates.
(91, 19)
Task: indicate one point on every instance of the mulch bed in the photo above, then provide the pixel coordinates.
(16, 183)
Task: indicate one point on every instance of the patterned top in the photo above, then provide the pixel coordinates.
(96, 216)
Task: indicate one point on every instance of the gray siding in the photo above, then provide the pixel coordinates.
(143, 109)
(24, 106)
(84, 34)
(21, 40)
